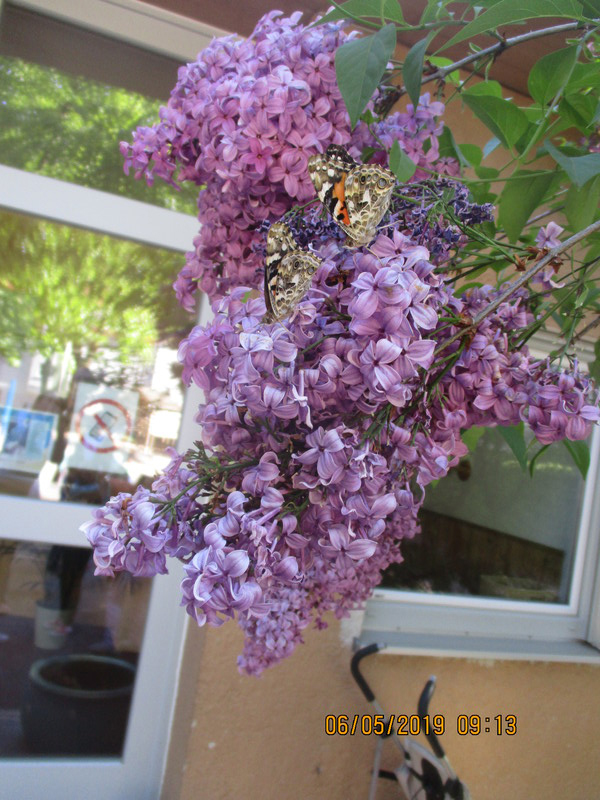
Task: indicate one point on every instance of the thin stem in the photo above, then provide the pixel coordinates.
(589, 327)
(507, 179)
(316, 344)
(499, 47)
(547, 213)
(521, 281)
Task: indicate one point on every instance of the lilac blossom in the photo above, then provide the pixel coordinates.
(331, 436)
(548, 236)
(242, 121)
(321, 432)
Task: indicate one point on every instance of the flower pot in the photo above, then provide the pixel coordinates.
(77, 705)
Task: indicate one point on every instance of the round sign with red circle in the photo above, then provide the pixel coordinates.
(101, 424)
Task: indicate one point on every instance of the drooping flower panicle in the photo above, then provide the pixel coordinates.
(319, 433)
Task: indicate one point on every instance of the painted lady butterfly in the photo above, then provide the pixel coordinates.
(288, 272)
(356, 195)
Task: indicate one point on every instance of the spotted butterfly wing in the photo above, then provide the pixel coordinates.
(288, 272)
(356, 195)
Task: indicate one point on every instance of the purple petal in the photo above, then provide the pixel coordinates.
(236, 563)
(361, 548)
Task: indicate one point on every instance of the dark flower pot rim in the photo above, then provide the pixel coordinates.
(35, 675)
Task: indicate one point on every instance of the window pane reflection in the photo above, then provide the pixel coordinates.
(488, 529)
(90, 389)
(69, 645)
(76, 124)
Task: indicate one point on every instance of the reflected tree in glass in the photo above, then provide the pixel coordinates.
(61, 287)
(69, 127)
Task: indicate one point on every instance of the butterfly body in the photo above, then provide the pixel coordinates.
(356, 195)
(288, 272)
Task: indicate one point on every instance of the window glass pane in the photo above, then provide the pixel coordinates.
(67, 126)
(90, 389)
(491, 530)
(69, 645)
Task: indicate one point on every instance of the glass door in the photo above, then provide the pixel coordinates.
(90, 403)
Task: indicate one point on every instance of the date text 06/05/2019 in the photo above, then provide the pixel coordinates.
(413, 725)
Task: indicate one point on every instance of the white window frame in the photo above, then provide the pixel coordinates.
(138, 23)
(140, 771)
(456, 625)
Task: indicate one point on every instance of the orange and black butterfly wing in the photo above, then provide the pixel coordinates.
(328, 173)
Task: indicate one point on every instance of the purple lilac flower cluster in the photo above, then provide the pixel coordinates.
(491, 382)
(319, 434)
(332, 425)
(242, 122)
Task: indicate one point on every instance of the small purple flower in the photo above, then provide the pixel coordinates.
(548, 236)
(325, 451)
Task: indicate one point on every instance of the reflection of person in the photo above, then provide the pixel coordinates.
(54, 405)
(62, 579)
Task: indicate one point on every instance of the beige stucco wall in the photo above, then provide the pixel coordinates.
(264, 739)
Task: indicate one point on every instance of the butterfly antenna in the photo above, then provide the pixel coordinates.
(374, 254)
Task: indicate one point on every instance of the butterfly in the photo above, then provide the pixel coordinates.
(288, 272)
(356, 195)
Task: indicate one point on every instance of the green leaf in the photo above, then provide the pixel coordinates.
(508, 11)
(486, 172)
(580, 169)
(412, 69)
(535, 458)
(550, 73)
(585, 76)
(448, 148)
(481, 193)
(471, 436)
(507, 122)
(580, 111)
(359, 66)
(390, 9)
(580, 453)
(582, 296)
(515, 439)
(534, 113)
(591, 8)
(401, 165)
(472, 153)
(589, 296)
(581, 204)
(486, 88)
(433, 10)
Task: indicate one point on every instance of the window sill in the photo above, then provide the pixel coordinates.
(480, 647)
